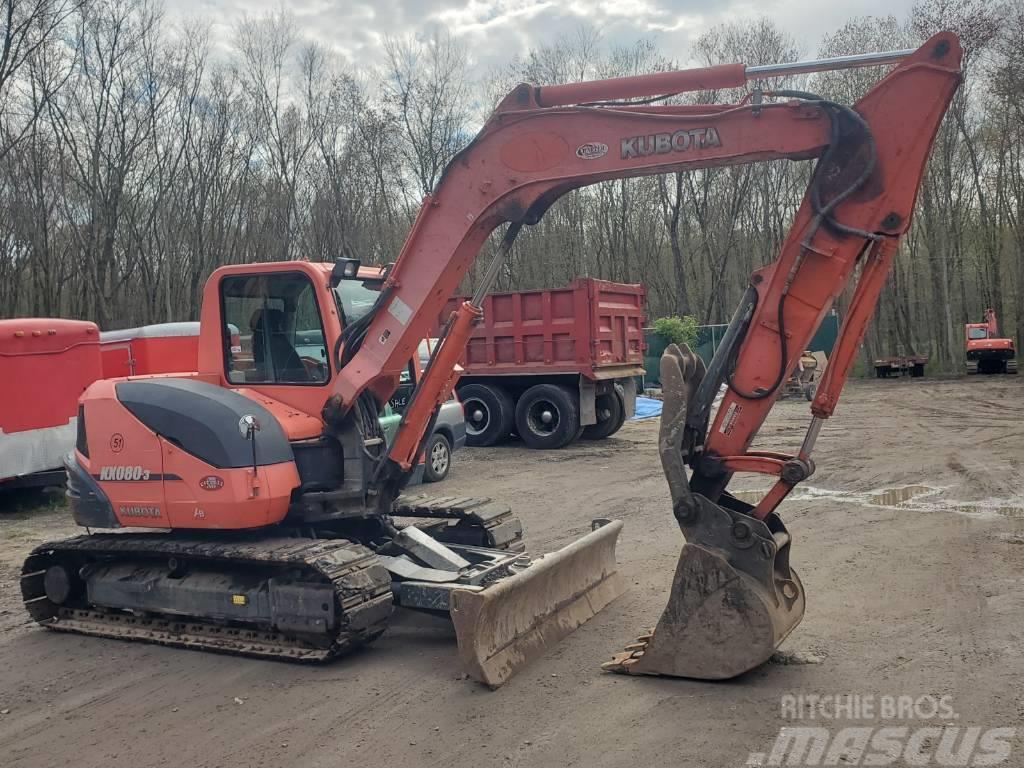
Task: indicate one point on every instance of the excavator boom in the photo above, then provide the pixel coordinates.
(734, 597)
(542, 142)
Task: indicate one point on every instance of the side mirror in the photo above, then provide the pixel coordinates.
(248, 426)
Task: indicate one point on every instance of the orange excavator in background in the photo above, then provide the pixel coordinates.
(986, 351)
(283, 530)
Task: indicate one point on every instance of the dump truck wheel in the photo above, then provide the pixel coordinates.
(489, 413)
(610, 406)
(547, 416)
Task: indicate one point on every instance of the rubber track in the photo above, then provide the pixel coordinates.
(362, 586)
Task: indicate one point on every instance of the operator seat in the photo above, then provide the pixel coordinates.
(268, 331)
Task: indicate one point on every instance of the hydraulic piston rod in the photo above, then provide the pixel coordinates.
(707, 78)
(825, 65)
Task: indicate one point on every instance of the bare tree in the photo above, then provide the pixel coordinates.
(427, 87)
(28, 29)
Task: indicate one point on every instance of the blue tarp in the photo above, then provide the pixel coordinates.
(647, 408)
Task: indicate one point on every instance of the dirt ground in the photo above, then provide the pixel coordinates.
(920, 597)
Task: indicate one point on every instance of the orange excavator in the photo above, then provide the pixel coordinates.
(282, 531)
(987, 352)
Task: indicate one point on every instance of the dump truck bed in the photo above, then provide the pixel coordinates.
(590, 327)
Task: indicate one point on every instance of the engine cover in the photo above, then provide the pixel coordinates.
(169, 453)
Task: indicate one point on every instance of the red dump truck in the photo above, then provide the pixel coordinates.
(553, 365)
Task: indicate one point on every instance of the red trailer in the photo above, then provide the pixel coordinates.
(47, 364)
(553, 365)
(163, 348)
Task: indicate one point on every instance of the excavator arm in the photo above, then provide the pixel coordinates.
(542, 142)
(734, 596)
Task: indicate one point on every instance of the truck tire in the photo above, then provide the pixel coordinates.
(610, 406)
(547, 416)
(489, 413)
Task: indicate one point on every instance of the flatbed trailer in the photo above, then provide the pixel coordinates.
(901, 365)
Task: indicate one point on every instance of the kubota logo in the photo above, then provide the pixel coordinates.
(663, 143)
(138, 511)
(211, 483)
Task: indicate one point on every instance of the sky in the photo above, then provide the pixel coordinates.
(494, 31)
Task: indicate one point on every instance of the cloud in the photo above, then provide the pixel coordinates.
(494, 31)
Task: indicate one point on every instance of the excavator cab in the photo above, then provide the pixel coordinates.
(280, 312)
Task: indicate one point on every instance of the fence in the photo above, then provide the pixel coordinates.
(710, 336)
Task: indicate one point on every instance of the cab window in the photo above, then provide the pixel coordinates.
(974, 334)
(273, 332)
(355, 298)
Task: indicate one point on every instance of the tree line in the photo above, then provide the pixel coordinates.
(136, 156)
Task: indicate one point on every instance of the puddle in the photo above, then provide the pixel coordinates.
(1016, 513)
(894, 497)
(889, 497)
(914, 498)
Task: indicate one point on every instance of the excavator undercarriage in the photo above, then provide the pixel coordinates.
(311, 595)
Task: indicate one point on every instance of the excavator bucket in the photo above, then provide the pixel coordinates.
(508, 624)
(734, 597)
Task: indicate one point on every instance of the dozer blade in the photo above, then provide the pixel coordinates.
(505, 626)
(734, 597)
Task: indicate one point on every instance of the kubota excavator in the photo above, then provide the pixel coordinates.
(282, 531)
